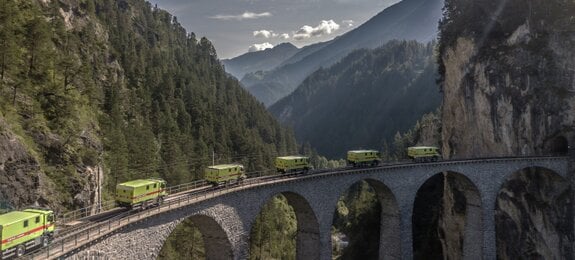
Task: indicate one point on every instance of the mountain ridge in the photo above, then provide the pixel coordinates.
(364, 99)
(266, 59)
(408, 19)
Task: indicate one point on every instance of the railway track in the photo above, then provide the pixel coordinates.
(80, 232)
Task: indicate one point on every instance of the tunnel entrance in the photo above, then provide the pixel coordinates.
(558, 146)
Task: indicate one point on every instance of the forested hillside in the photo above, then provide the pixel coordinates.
(405, 20)
(363, 100)
(103, 91)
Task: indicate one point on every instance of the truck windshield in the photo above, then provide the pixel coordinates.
(51, 218)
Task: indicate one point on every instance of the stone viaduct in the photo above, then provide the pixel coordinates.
(225, 221)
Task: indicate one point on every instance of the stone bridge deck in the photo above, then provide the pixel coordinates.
(225, 218)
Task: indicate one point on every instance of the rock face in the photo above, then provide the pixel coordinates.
(23, 183)
(509, 85)
(534, 213)
(439, 218)
(43, 163)
(508, 79)
(19, 170)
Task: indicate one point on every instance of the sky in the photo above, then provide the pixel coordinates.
(238, 26)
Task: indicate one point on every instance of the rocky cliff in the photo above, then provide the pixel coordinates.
(534, 217)
(508, 78)
(23, 182)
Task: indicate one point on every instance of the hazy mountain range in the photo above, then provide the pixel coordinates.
(259, 60)
(408, 19)
(363, 100)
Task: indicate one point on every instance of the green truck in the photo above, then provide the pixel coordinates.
(141, 193)
(225, 174)
(357, 158)
(292, 164)
(423, 153)
(22, 230)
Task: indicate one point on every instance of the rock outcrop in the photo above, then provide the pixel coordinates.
(19, 170)
(534, 217)
(509, 84)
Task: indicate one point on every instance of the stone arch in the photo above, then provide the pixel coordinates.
(307, 241)
(219, 224)
(390, 220)
(308, 234)
(534, 215)
(216, 241)
(457, 195)
(557, 145)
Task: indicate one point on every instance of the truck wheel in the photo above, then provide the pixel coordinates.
(160, 200)
(20, 250)
(45, 241)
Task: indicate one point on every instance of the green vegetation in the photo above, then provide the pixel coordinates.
(273, 235)
(184, 243)
(121, 84)
(358, 217)
(364, 99)
(426, 131)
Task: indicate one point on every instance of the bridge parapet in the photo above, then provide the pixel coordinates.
(229, 214)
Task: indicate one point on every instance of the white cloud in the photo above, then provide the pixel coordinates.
(349, 23)
(265, 34)
(270, 34)
(260, 47)
(244, 16)
(324, 28)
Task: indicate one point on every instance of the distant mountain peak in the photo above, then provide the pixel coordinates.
(264, 60)
(406, 20)
(285, 45)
